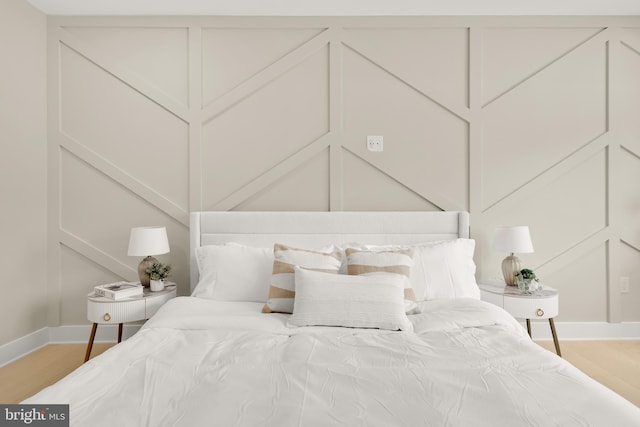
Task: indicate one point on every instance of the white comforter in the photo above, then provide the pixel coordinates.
(205, 363)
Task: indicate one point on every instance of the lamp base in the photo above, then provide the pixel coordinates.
(142, 270)
(510, 266)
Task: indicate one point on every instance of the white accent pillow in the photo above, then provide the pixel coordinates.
(363, 301)
(233, 272)
(444, 269)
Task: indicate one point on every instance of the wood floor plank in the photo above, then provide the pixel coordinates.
(612, 363)
(40, 369)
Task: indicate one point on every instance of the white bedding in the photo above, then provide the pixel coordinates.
(201, 362)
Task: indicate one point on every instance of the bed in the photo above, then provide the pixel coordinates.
(333, 318)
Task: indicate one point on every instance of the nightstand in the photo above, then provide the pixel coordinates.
(105, 311)
(542, 305)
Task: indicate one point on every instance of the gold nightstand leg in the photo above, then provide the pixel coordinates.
(119, 332)
(555, 336)
(529, 327)
(90, 343)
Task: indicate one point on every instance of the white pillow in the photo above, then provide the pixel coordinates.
(440, 269)
(363, 301)
(282, 287)
(233, 272)
(444, 269)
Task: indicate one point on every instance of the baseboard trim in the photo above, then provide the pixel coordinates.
(73, 334)
(22, 346)
(587, 331)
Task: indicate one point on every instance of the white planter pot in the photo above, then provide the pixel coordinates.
(156, 285)
(528, 286)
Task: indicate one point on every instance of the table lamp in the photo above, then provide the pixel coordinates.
(512, 239)
(147, 241)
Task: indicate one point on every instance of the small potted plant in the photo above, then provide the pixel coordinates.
(157, 273)
(527, 281)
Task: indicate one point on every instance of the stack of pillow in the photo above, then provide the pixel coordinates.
(362, 286)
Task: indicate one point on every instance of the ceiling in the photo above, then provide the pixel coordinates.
(337, 7)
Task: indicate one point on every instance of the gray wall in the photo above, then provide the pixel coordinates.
(518, 120)
(23, 165)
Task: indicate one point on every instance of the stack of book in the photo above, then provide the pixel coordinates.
(119, 290)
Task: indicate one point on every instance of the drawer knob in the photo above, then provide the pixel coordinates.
(540, 312)
(106, 317)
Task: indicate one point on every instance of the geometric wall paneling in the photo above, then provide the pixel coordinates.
(423, 141)
(87, 194)
(543, 120)
(519, 121)
(512, 55)
(96, 215)
(251, 137)
(629, 104)
(582, 286)
(628, 168)
(263, 78)
(142, 139)
(550, 176)
(230, 56)
(157, 55)
(570, 206)
(631, 37)
(271, 176)
(433, 60)
(630, 267)
(75, 269)
(366, 188)
(305, 188)
(120, 71)
(124, 179)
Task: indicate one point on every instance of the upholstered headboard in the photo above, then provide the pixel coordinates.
(317, 229)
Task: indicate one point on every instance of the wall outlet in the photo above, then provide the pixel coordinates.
(375, 143)
(624, 285)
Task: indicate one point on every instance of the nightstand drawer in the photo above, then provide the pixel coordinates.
(112, 312)
(531, 307)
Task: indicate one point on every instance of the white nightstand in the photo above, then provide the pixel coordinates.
(542, 305)
(101, 310)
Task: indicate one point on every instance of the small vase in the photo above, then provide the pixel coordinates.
(157, 285)
(528, 286)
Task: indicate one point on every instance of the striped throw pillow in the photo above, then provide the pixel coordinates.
(285, 258)
(385, 261)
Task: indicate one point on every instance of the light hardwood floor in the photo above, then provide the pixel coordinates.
(40, 369)
(616, 364)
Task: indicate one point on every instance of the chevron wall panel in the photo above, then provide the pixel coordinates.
(519, 121)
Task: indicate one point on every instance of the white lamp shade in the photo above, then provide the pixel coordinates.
(512, 239)
(145, 241)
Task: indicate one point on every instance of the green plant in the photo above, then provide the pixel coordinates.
(158, 271)
(526, 274)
